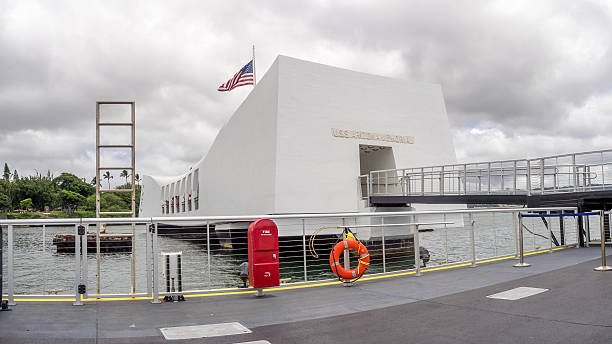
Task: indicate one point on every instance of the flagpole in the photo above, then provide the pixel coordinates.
(254, 79)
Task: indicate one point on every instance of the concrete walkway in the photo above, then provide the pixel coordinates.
(448, 306)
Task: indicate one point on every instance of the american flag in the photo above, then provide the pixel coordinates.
(243, 77)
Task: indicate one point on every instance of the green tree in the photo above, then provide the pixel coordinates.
(5, 202)
(137, 179)
(15, 176)
(40, 189)
(7, 173)
(125, 174)
(26, 204)
(71, 200)
(108, 177)
(113, 202)
(70, 182)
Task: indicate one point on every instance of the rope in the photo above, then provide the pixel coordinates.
(311, 247)
(540, 235)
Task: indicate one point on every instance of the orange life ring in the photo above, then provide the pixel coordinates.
(334, 257)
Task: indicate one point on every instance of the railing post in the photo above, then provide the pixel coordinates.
(2, 304)
(208, 251)
(465, 179)
(384, 255)
(417, 248)
(155, 257)
(542, 176)
(521, 263)
(514, 178)
(489, 178)
(133, 261)
(472, 240)
(409, 186)
(98, 285)
(528, 179)
(549, 229)
(77, 266)
(369, 186)
(575, 177)
(514, 235)
(577, 225)
(442, 182)
(84, 262)
(386, 183)
(149, 266)
(422, 182)
(604, 266)
(603, 175)
(10, 267)
(347, 261)
(562, 229)
(494, 238)
(502, 170)
(304, 249)
(445, 241)
(587, 229)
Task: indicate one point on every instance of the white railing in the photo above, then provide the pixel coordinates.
(33, 267)
(576, 172)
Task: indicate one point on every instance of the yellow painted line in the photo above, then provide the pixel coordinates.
(296, 285)
(117, 298)
(44, 300)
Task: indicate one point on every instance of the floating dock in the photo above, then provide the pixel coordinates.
(109, 242)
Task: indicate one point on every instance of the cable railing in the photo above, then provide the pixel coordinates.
(212, 248)
(576, 172)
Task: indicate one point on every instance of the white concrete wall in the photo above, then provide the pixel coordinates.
(277, 154)
(317, 172)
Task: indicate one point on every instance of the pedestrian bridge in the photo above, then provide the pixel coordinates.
(576, 179)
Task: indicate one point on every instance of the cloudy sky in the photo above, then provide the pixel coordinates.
(520, 78)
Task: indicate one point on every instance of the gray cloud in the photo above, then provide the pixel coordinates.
(520, 78)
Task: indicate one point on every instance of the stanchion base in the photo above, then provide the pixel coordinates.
(521, 265)
(418, 274)
(473, 265)
(260, 292)
(603, 268)
(156, 300)
(5, 306)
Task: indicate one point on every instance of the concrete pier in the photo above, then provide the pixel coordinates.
(447, 306)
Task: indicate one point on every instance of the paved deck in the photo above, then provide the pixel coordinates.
(447, 306)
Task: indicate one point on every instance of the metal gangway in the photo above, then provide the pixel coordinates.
(543, 180)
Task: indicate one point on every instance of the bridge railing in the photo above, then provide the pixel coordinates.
(36, 268)
(576, 172)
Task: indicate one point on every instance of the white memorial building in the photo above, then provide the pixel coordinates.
(301, 139)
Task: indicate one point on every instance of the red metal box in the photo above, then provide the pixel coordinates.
(263, 254)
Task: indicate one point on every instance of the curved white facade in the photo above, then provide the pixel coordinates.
(300, 140)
